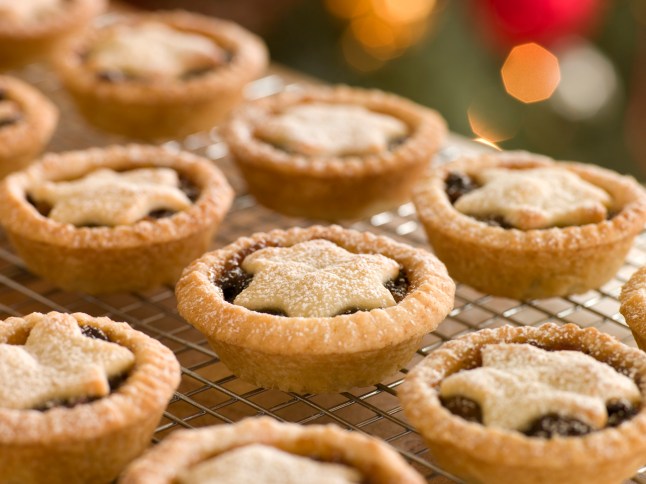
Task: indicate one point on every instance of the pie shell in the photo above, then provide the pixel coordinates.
(21, 142)
(21, 43)
(534, 263)
(633, 306)
(378, 462)
(91, 442)
(164, 109)
(317, 355)
(491, 455)
(122, 258)
(332, 187)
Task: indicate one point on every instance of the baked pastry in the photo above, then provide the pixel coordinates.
(27, 122)
(33, 29)
(122, 218)
(263, 450)
(633, 305)
(80, 397)
(160, 75)
(306, 310)
(523, 226)
(333, 152)
(575, 413)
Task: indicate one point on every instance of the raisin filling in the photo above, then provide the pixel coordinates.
(549, 425)
(114, 382)
(235, 279)
(191, 191)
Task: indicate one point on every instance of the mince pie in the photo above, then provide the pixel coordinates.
(27, 122)
(333, 153)
(261, 450)
(524, 226)
(633, 306)
(32, 29)
(320, 309)
(80, 397)
(547, 404)
(160, 75)
(122, 218)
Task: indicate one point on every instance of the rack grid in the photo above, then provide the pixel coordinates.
(209, 394)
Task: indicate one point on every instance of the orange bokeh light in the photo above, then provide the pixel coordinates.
(530, 73)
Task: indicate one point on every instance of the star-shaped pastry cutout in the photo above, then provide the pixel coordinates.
(331, 129)
(536, 198)
(316, 278)
(519, 383)
(109, 198)
(58, 362)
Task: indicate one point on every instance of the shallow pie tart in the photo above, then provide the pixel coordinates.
(27, 122)
(524, 226)
(122, 218)
(633, 305)
(32, 29)
(80, 397)
(320, 309)
(559, 404)
(333, 152)
(160, 75)
(263, 450)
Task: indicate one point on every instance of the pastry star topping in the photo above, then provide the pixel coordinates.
(331, 129)
(105, 197)
(152, 50)
(258, 463)
(519, 383)
(58, 363)
(26, 10)
(316, 278)
(536, 198)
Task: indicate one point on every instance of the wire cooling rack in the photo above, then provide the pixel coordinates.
(209, 394)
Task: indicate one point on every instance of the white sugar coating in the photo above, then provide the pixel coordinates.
(105, 197)
(519, 383)
(58, 362)
(316, 278)
(261, 464)
(27, 10)
(536, 198)
(331, 129)
(154, 50)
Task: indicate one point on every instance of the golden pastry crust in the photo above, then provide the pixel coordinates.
(491, 455)
(317, 354)
(378, 462)
(533, 263)
(125, 257)
(151, 110)
(91, 442)
(332, 187)
(22, 141)
(21, 43)
(633, 305)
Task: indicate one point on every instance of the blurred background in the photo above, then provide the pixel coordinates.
(566, 78)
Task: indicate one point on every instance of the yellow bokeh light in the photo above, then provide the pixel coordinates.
(403, 11)
(348, 8)
(372, 32)
(530, 73)
(488, 143)
(487, 129)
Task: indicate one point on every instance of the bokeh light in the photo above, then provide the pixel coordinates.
(530, 73)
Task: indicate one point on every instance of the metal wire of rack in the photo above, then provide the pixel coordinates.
(209, 394)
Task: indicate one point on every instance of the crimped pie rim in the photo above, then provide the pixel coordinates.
(201, 303)
(184, 448)
(249, 60)
(421, 404)
(19, 216)
(633, 302)
(154, 377)
(436, 211)
(429, 131)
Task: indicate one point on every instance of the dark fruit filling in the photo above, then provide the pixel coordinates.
(114, 382)
(235, 279)
(458, 185)
(548, 425)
